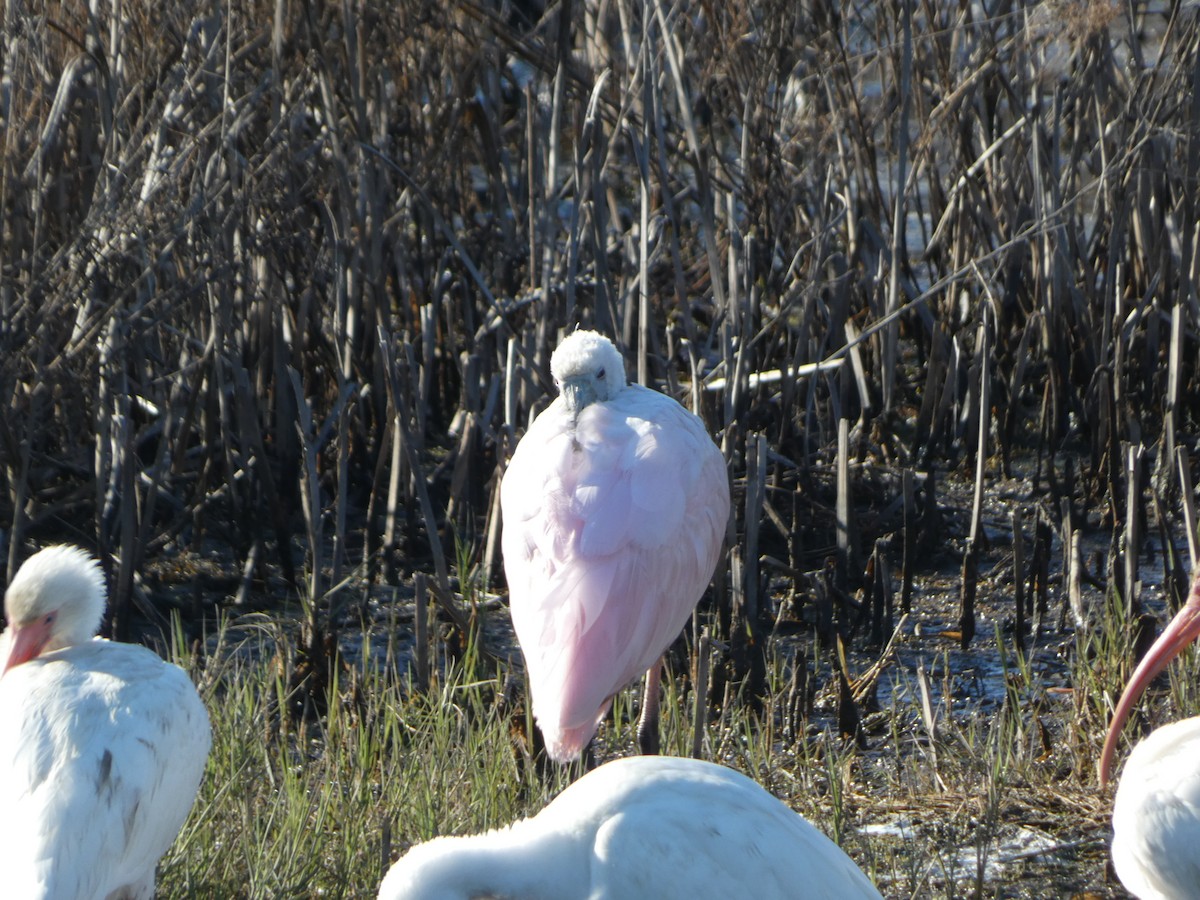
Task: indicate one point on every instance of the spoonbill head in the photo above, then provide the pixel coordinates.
(102, 745)
(615, 504)
(587, 367)
(1156, 812)
(643, 828)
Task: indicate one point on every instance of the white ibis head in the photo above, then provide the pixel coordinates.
(55, 600)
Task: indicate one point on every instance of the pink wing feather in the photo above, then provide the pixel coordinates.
(611, 535)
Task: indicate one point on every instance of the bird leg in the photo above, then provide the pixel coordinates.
(647, 729)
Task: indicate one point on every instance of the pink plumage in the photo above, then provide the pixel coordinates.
(615, 505)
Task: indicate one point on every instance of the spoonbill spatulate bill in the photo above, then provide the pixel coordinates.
(102, 744)
(615, 504)
(641, 828)
(1156, 813)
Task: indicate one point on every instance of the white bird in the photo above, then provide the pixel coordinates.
(1156, 813)
(615, 504)
(102, 745)
(640, 828)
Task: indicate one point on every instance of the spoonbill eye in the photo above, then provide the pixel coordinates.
(600, 374)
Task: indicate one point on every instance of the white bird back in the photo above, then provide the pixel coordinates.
(1156, 815)
(102, 747)
(643, 828)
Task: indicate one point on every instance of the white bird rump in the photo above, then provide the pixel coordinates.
(101, 754)
(642, 828)
(614, 516)
(1156, 815)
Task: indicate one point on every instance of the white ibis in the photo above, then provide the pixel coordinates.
(640, 828)
(1156, 814)
(615, 505)
(102, 744)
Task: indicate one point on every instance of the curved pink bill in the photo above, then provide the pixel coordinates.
(1182, 630)
(23, 643)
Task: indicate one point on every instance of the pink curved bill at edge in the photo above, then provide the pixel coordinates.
(1182, 630)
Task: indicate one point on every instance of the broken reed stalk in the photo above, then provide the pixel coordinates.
(106, 460)
(127, 465)
(494, 519)
(845, 525)
(1187, 498)
(756, 453)
(890, 335)
(343, 416)
(1072, 569)
(983, 423)
(1132, 537)
(700, 693)
(1018, 551)
(1175, 581)
(649, 111)
(881, 593)
(969, 583)
(249, 569)
(1040, 571)
(930, 721)
(976, 537)
(310, 495)
(910, 540)
(391, 531)
(421, 632)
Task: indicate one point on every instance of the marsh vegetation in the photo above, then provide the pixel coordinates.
(279, 284)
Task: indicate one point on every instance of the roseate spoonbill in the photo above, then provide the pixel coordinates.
(640, 828)
(1156, 813)
(102, 745)
(615, 505)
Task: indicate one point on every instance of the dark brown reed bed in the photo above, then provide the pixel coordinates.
(279, 284)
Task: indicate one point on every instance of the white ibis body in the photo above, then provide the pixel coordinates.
(615, 504)
(102, 744)
(1156, 813)
(641, 828)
